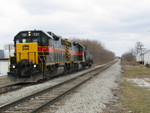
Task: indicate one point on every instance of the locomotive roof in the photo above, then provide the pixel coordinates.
(81, 45)
(50, 36)
(54, 35)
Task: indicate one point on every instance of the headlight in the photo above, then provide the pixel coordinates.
(29, 33)
(34, 65)
(13, 66)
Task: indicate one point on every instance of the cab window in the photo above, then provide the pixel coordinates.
(44, 41)
(35, 40)
(17, 41)
(24, 40)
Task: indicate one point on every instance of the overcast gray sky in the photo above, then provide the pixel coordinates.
(119, 24)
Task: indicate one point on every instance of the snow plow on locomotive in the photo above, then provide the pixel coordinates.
(40, 55)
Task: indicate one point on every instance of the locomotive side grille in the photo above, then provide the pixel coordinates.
(28, 51)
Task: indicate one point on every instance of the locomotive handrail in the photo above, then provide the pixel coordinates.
(41, 61)
(9, 61)
(34, 56)
(27, 54)
(44, 57)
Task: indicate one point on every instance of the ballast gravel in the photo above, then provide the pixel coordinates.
(93, 96)
(15, 95)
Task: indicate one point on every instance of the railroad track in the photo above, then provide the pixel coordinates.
(14, 87)
(40, 100)
(10, 87)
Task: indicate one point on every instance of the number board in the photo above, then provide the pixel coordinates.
(32, 34)
(35, 34)
(24, 34)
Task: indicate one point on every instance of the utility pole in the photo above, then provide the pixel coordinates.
(140, 50)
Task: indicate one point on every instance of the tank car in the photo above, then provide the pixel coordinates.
(40, 55)
(88, 58)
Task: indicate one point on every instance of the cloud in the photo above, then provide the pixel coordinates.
(117, 23)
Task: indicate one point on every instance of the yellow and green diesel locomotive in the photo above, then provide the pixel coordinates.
(40, 55)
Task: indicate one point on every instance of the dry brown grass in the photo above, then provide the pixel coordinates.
(138, 71)
(129, 63)
(136, 99)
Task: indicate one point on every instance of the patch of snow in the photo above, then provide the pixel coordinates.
(142, 82)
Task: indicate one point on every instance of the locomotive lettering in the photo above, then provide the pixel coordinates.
(25, 47)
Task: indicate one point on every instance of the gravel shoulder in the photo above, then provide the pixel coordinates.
(94, 96)
(4, 81)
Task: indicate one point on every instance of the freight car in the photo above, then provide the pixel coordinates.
(40, 55)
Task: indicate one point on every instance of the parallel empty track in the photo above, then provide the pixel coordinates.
(15, 86)
(12, 87)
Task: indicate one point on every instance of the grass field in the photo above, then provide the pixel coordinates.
(135, 99)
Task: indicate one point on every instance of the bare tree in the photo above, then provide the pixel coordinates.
(128, 56)
(138, 48)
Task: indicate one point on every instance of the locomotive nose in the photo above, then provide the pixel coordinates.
(28, 51)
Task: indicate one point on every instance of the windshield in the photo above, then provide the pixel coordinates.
(27, 40)
(35, 40)
(32, 37)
